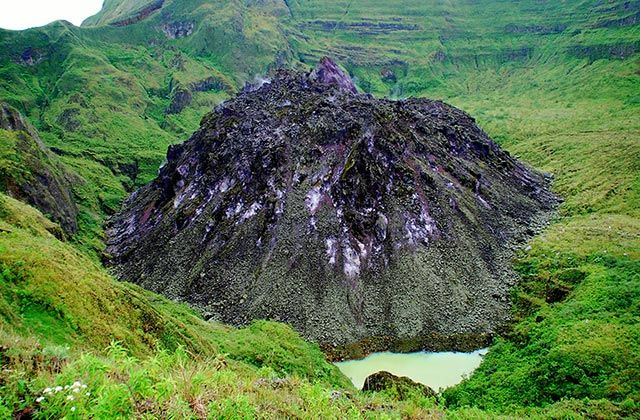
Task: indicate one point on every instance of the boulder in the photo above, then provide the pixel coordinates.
(401, 386)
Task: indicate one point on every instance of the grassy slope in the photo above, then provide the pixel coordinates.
(557, 93)
(114, 10)
(101, 107)
(577, 309)
(52, 295)
(578, 312)
(64, 320)
(99, 95)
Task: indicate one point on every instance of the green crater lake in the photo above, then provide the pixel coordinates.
(436, 370)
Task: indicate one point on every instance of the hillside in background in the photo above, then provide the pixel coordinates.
(555, 83)
(111, 96)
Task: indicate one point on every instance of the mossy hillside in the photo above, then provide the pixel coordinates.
(102, 110)
(11, 160)
(31, 173)
(576, 310)
(577, 336)
(242, 39)
(577, 307)
(481, 34)
(117, 10)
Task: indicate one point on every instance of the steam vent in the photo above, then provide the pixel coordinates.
(365, 223)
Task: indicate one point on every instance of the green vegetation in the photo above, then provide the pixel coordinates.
(65, 324)
(63, 319)
(555, 83)
(576, 311)
(52, 291)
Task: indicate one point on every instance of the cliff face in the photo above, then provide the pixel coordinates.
(352, 218)
(29, 171)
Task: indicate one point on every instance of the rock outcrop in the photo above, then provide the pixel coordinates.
(327, 72)
(140, 14)
(183, 96)
(177, 29)
(349, 217)
(30, 172)
(402, 386)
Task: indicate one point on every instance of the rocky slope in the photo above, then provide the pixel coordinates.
(349, 217)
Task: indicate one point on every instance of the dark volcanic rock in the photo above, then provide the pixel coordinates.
(30, 57)
(141, 14)
(402, 386)
(34, 175)
(178, 29)
(181, 99)
(328, 72)
(346, 216)
(210, 83)
(388, 75)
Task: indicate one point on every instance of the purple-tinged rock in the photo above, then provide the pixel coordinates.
(329, 73)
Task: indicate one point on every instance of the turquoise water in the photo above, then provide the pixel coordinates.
(436, 370)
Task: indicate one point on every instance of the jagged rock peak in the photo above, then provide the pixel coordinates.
(349, 217)
(328, 72)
